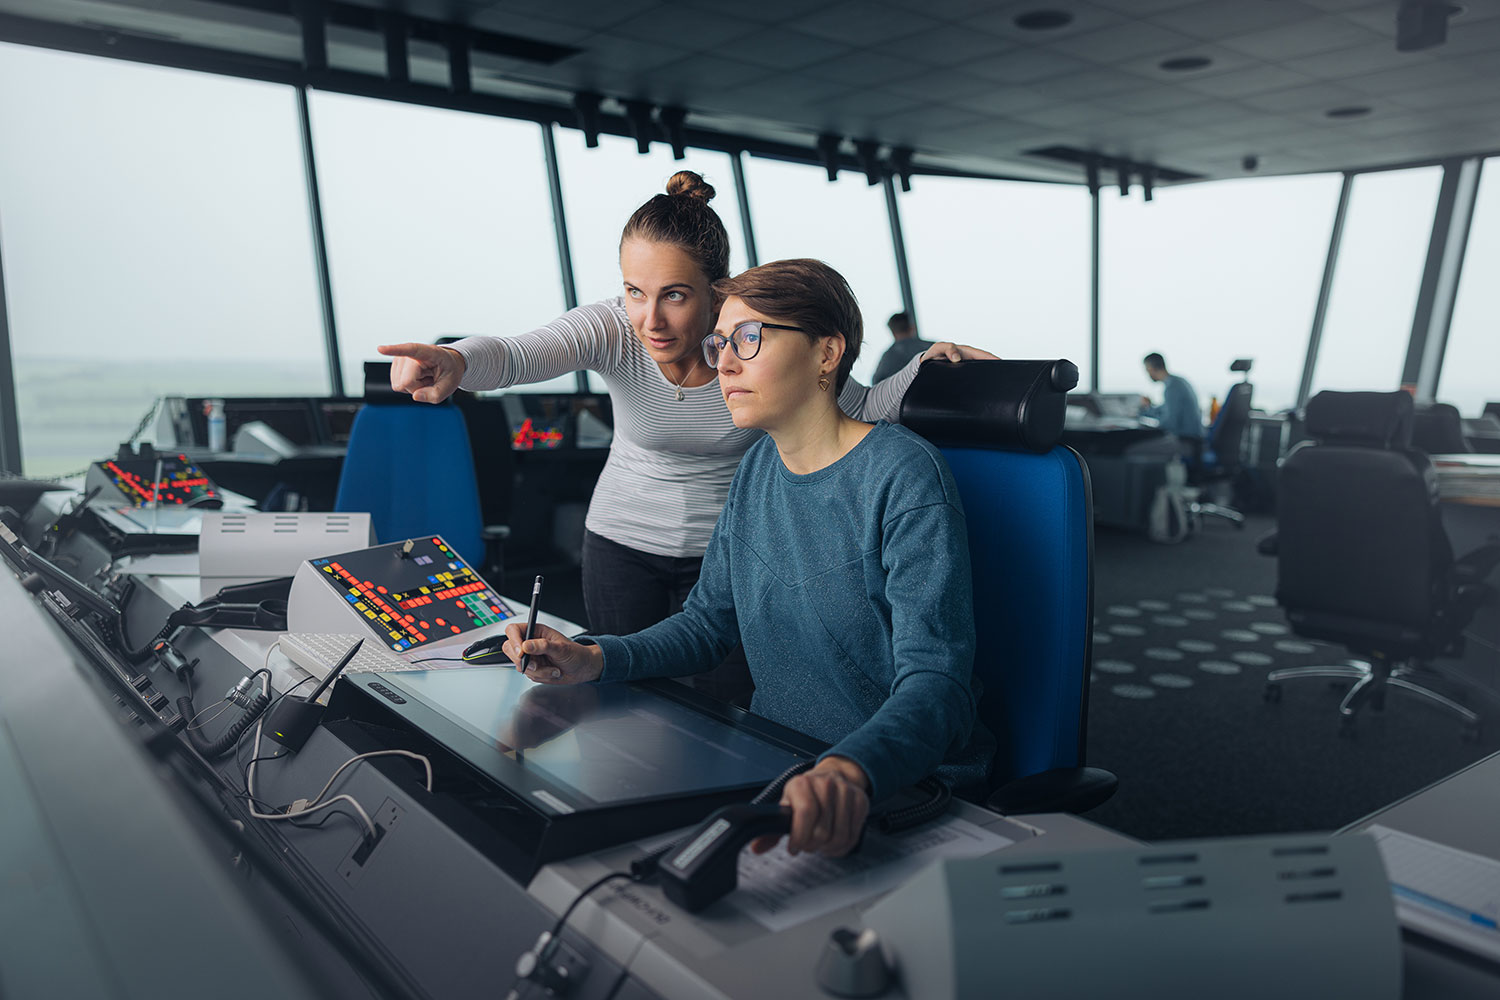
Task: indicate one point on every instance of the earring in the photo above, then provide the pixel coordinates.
(823, 382)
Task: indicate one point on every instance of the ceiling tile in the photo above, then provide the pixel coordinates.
(948, 86)
(597, 14)
(762, 10)
(1065, 115)
(1370, 57)
(1140, 8)
(1254, 80)
(1210, 113)
(926, 119)
(862, 68)
(1318, 97)
(1150, 99)
(705, 31)
(616, 52)
(951, 10)
(865, 102)
(1419, 77)
(1222, 61)
(1000, 20)
(1122, 42)
(782, 48)
(1024, 66)
(1006, 100)
(1215, 20)
(1091, 83)
(945, 45)
(1301, 38)
(863, 23)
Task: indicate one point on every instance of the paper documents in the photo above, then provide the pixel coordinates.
(781, 891)
(1443, 892)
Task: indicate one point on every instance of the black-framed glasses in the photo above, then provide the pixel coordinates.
(744, 340)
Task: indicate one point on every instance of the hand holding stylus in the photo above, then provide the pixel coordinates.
(551, 657)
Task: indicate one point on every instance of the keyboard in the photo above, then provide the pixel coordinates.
(319, 652)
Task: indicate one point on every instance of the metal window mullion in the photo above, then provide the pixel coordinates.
(10, 419)
(742, 193)
(1320, 311)
(560, 234)
(320, 247)
(1432, 270)
(1445, 288)
(898, 246)
(1094, 290)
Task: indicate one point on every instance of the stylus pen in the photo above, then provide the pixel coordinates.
(536, 600)
(334, 673)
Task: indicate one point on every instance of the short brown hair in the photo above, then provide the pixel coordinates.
(809, 294)
(682, 218)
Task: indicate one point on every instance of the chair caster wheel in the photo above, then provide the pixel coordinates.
(1271, 694)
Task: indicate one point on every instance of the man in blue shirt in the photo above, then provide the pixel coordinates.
(1178, 411)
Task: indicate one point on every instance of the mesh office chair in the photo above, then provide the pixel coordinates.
(1221, 459)
(1031, 544)
(1362, 556)
(409, 465)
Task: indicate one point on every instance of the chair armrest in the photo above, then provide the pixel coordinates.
(1062, 789)
(1266, 545)
(1475, 566)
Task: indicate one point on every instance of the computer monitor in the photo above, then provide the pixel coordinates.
(543, 421)
(293, 417)
(148, 478)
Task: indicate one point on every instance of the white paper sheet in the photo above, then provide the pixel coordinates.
(1443, 892)
(781, 891)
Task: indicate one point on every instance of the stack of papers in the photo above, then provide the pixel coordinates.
(1470, 477)
(1443, 892)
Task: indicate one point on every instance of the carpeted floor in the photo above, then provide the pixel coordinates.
(1184, 638)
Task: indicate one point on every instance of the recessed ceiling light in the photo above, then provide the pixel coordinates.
(1183, 64)
(1353, 111)
(1043, 20)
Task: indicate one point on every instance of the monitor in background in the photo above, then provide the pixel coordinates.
(550, 421)
(295, 418)
(151, 478)
(338, 418)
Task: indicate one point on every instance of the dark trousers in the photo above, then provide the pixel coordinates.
(626, 590)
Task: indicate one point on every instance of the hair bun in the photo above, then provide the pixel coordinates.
(688, 184)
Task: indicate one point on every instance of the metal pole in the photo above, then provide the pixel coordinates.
(320, 247)
(1094, 288)
(10, 420)
(898, 244)
(742, 193)
(560, 234)
(1429, 341)
(1320, 312)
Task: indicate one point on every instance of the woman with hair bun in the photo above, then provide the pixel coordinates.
(675, 448)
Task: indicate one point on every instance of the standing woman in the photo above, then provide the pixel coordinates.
(675, 448)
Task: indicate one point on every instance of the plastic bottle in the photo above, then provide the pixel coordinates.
(213, 410)
(1213, 408)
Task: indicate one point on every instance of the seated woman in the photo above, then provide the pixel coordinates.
(840, 561)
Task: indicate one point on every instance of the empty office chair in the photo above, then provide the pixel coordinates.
(1362, 556)
(1222, 456)
(1031, 543)
(409, 465)
(1438, 429)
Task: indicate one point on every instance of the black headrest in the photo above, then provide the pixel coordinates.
(1378, 419)
(988, 404)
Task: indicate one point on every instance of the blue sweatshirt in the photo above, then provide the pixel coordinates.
(1178, 410)
(850, 590)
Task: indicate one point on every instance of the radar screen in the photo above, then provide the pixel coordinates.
(170, 480)
(413, 593)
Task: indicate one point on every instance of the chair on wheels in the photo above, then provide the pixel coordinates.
(1221, 459)
(1362, 556)
(1031, 545)
(1438, 429)
(409, 465)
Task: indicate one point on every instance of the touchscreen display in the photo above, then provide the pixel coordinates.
(608, 743)
(413, 593)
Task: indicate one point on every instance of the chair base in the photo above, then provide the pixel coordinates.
(1372, 678)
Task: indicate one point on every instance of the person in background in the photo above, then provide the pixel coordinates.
(841, 562)
(675, 448)
(1178, 411)
(907, 346)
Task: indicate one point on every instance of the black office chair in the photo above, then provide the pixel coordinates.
(1438, 429)
(1221, 459)
(1362, 556)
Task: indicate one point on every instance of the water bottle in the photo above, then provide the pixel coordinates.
(213, 410)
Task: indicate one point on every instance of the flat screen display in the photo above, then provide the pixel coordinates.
(163, 480)
(413, 593)
(603, 743)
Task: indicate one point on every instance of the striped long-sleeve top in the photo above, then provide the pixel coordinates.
(671, 461)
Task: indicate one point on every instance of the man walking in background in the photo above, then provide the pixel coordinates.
(907, 346)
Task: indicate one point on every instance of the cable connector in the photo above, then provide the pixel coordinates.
(240, 694)
(299, 806)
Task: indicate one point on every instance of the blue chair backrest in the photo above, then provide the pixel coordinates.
(1030, 517)
(409, 465)
(1031, 546)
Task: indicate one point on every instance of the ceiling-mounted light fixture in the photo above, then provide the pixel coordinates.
(586, 103)
(868, 152)
(638, 114)
(1423, 24)
(828, 152)
(1043, 20)
(671, 120)
(1185, 64)
(1352, 111)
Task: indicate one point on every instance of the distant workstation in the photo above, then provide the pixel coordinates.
(320, 737)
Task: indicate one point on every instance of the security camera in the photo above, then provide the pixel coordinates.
(1250, 163)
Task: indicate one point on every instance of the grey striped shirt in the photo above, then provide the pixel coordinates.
(671, 462)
